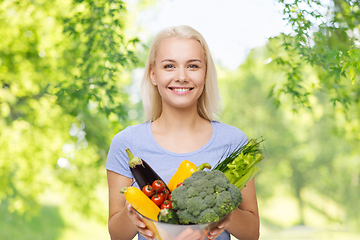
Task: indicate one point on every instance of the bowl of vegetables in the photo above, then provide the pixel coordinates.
(196, 205)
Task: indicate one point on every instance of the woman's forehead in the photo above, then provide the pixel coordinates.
(180, 48)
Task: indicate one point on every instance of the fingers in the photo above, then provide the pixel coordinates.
(183, 234)
(194, 235)
(203, 235)
(140, 225)
(215, 232)
(220, 228)
(189, 234)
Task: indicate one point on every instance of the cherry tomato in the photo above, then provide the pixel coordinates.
(158, 199)
(148, 190)
(166, 204)
(179, 184)
(165, 192)
(158, 185)
(163, 195)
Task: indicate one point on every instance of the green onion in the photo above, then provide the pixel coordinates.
(241, 165)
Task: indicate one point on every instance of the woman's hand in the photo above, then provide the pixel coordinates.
(220, 227)
(139, 224)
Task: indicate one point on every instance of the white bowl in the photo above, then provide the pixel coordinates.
(167, 231)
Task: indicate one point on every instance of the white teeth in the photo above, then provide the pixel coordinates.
(180, 89)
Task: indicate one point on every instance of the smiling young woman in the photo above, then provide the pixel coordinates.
(181, 101)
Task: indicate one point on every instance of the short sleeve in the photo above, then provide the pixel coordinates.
(232, 136)
(240, 138)
(117, 159)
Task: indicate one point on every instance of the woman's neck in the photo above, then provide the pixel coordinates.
(178, 120)
(178, 132)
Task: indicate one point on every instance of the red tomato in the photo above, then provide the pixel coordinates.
(158, 185)
(179, 184)
(165, 192)
(158, 199)
(148, 190)
(166, 204)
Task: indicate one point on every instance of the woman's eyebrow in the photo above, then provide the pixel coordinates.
(194, 60)
(191, 60)
(168, 60)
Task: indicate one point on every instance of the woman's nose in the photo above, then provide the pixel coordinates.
(181, 75)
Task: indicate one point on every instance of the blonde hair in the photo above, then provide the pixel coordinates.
(209, 103)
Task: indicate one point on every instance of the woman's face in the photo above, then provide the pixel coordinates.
(179, 72)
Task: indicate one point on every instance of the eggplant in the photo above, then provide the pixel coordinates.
(141, 170)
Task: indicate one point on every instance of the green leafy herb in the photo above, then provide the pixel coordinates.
(241, 165)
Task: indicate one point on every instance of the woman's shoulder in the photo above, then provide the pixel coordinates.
(228, 129)
(130, 132)
(132, 129)
(230, 133)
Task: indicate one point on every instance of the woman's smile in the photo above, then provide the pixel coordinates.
(181, 90)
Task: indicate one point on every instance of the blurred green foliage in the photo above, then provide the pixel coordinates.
(64, 70)
(326, 36)
(47, 225)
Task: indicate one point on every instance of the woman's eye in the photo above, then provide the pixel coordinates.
(193, 66)
(169, 66)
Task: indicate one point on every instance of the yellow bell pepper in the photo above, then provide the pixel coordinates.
(184, 171)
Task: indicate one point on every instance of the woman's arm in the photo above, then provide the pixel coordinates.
(120, 225)
(244, 222)
(124, 223)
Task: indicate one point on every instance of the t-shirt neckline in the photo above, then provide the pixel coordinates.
(155, 143)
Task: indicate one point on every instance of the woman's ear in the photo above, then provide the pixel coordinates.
(152, 77)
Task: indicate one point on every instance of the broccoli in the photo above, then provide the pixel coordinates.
(206, 196)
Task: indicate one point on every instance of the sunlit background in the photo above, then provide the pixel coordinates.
(231, 28)
(69, 81)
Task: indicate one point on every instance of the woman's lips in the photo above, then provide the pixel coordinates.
(181, 90)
